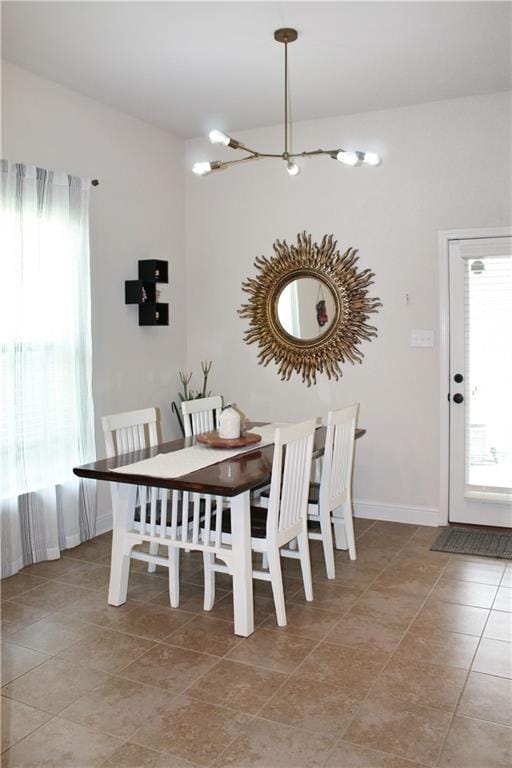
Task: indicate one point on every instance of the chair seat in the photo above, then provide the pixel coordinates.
(314, 493)
(258, 522)
(169, 510)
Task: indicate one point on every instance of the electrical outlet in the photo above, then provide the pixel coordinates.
(422, 338)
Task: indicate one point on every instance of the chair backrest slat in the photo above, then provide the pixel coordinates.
(338, 457)
(207, 517)
(196, 516)
(174, 516)
(291, 472)
(201, 415)
(122, 442)
(130, 431)
(142, 503)
(136, 430)
(218, 521)
(163, 511)
(154, 492)
(127, 432)
(130, 438)
(184, 515)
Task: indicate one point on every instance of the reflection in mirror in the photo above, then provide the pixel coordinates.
(306, 308)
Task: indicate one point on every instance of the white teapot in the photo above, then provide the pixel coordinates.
(229, 423)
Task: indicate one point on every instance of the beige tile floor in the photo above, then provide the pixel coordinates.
(404, 660)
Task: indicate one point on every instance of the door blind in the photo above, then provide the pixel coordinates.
(488, 365)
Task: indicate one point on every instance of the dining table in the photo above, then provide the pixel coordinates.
(233, 478)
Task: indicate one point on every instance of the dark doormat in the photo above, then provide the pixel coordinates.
(465, 541)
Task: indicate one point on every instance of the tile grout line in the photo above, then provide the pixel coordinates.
(127, 741)
(296, 670)
(17, 677)
(44, 711)
(359, 705)
(470, 669)
(117, 675)
(220, 658)
(289, 675)
(390, 660)
(396, 647)
(270, 629)
(362, 702)
(54, 716)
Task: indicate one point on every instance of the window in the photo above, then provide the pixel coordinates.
(46, 410)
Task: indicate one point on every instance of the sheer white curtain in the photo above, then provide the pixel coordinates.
(46, 409)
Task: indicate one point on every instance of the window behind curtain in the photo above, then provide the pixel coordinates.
(46, 410)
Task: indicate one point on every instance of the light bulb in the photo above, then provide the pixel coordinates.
(292, 168)
(201, 169)
(348, 157)
(217, 137)
(371, 158)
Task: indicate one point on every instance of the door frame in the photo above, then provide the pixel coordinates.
(445, 237)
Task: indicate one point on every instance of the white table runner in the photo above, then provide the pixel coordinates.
(196, 457)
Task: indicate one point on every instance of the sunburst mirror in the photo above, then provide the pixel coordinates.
(308, 308)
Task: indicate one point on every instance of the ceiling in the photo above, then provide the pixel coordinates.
(189, 66)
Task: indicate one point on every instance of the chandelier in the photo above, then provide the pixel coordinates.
(345, 156)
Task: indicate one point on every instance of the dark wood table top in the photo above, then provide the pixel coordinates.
(228, 477)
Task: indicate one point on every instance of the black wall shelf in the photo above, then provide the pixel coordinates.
(138, 291)
(153, 313)
(153, 271)
(143, 292)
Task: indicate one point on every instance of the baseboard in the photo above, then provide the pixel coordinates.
(396, 513)
(70, 542)
(103, 524)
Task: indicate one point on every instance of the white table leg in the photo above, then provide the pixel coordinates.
(243, 605)
(123, 506)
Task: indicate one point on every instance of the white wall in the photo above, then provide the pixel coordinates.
(446, 165)
(137, 212)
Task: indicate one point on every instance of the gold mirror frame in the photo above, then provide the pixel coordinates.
(348, 285)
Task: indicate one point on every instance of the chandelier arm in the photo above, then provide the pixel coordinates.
(284, 35)
(243, 148)
(219, 164)
(313, 152)
(255, 153)
(224, 163)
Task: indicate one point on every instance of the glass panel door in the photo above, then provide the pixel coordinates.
(481, 381)
(488, 342)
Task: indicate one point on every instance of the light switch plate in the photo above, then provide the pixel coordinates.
(422, 338)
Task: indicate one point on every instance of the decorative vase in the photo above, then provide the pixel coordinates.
(229, 423)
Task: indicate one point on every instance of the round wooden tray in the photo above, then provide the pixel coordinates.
(213, 440)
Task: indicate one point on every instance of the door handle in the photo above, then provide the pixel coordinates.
(458, 398)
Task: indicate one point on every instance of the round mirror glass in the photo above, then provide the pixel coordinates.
(306, 308)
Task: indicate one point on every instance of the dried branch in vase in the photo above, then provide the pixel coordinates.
(191, 394)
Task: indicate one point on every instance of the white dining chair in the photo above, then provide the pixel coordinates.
(283, 521)
(330, 500)
(135, 431)
(201, 415)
